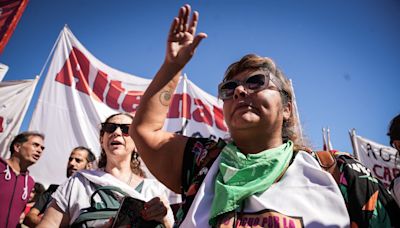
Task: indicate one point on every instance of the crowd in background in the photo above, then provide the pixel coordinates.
(262, 171)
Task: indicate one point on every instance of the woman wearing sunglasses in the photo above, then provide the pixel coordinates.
(118, 166)
(252, 180)
(261, 177)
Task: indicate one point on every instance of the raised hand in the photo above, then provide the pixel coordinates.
(162, 151)
(182, 38)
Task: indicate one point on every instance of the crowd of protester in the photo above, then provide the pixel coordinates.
(261, 173)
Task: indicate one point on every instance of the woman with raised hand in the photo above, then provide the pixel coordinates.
(118, 167)
(258, 178)
(262, 176)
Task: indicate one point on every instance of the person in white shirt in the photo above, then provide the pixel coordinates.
(118, 166)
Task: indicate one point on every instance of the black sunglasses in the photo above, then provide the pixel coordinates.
(111, 127)
(252, 84)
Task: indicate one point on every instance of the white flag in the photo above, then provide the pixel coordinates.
(15, 97)
(383, 161)
(80, 91)
(3, 71)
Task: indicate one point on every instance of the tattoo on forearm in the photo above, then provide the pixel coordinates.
(165, 97)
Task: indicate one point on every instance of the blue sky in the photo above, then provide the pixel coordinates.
(343, 56)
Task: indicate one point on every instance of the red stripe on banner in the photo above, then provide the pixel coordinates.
(10, 13)
(1, 124)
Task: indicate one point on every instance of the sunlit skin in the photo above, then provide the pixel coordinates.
(77, 161)
(32, 149)
(116, 145)
(26, 154)
(118, 148)
(250, 116)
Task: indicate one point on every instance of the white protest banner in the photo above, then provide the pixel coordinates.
(80, 91)
(383, 161)
(15, 97)
(3, 71)
(194, 112)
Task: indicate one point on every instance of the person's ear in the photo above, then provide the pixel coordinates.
(17, 147)
(89, 165)
(287, 110)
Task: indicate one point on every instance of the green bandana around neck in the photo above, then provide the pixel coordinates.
(241, 176)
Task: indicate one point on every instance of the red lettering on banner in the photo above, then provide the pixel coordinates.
(1, 124)
(75, 73)
(256, 221)
(288, 223)
(243, 222)
(113, 94)
(100, 84)
(131, 101)
(202, 114)
(264, 218)
(180, 100)
(265, 222)
(385, 174)
(250, 222)
(77, 66)
(276, 221)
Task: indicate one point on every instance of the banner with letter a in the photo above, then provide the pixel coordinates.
(383, 161)
(79, 92)
(15, 97)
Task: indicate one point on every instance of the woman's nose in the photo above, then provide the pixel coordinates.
(240, 92)
(117, 132)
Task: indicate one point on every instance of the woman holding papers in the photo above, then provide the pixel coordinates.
(119, 167)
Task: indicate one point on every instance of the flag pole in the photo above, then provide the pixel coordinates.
(184, 103)
(52, 51)
(352, 134)
(328, 137)
(324, 146)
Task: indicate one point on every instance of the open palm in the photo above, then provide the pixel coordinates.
(182, 38)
